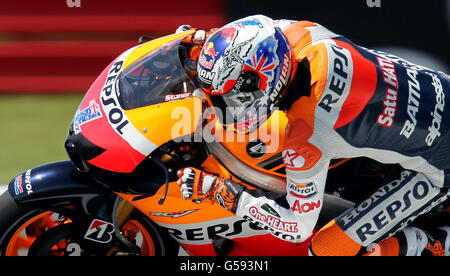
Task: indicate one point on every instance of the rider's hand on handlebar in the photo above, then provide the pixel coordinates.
(197, 39)
(199, 36)
(197, 185)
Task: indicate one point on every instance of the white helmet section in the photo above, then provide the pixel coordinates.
(243, 35)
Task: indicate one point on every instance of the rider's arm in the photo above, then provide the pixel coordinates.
(291, 219)
(294, 216)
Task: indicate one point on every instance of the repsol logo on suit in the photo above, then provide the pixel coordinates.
(339, 80)
(388, 207)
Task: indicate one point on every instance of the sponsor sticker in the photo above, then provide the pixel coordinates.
(307, 190)
(386, 117)
(100, 231)
(21, 181)
(18, 185)
(274, 222)
(392, 204)
(174, 214)
(293, 159)
(86, 115)
(174, 97)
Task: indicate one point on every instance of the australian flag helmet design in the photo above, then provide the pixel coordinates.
(245, 68)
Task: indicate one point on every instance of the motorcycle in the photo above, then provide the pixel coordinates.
(136, 126)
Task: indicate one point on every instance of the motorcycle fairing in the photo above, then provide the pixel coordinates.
(124, 146)
(125, 138)
(60, 183)
(60, 188)
(198, 226)
(270, 135)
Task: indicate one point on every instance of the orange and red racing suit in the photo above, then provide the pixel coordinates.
(361, 102)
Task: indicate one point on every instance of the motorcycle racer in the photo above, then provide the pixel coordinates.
(342, 101)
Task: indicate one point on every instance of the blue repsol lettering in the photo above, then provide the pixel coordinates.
(392, 210)
(339, 79)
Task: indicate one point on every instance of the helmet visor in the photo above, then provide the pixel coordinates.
(241, 111)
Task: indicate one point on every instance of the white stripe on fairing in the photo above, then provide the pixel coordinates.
(130, 134)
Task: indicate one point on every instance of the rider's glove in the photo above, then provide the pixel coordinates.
(198, 185)
(197, 38)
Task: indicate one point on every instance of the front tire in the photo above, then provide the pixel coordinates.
(15, 220)
(28, 231)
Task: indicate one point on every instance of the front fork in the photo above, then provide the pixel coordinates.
(122, 212)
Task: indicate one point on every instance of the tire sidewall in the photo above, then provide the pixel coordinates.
(12, 217)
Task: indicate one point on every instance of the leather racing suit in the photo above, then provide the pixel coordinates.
(361, 102)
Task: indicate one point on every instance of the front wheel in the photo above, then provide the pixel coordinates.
(26, 231)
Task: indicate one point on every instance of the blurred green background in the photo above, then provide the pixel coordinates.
(33, 130)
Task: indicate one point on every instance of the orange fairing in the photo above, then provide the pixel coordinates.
(271, 133)
(167, 121)
(175, 209)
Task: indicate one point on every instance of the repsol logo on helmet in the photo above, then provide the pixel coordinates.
(110, 104)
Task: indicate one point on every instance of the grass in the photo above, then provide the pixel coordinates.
(33, 129)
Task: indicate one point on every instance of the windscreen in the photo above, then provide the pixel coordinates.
(158, 77)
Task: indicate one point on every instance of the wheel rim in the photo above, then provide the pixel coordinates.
(27, 233)
(137, 234)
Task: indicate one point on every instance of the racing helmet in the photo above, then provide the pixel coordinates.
(244, 69)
